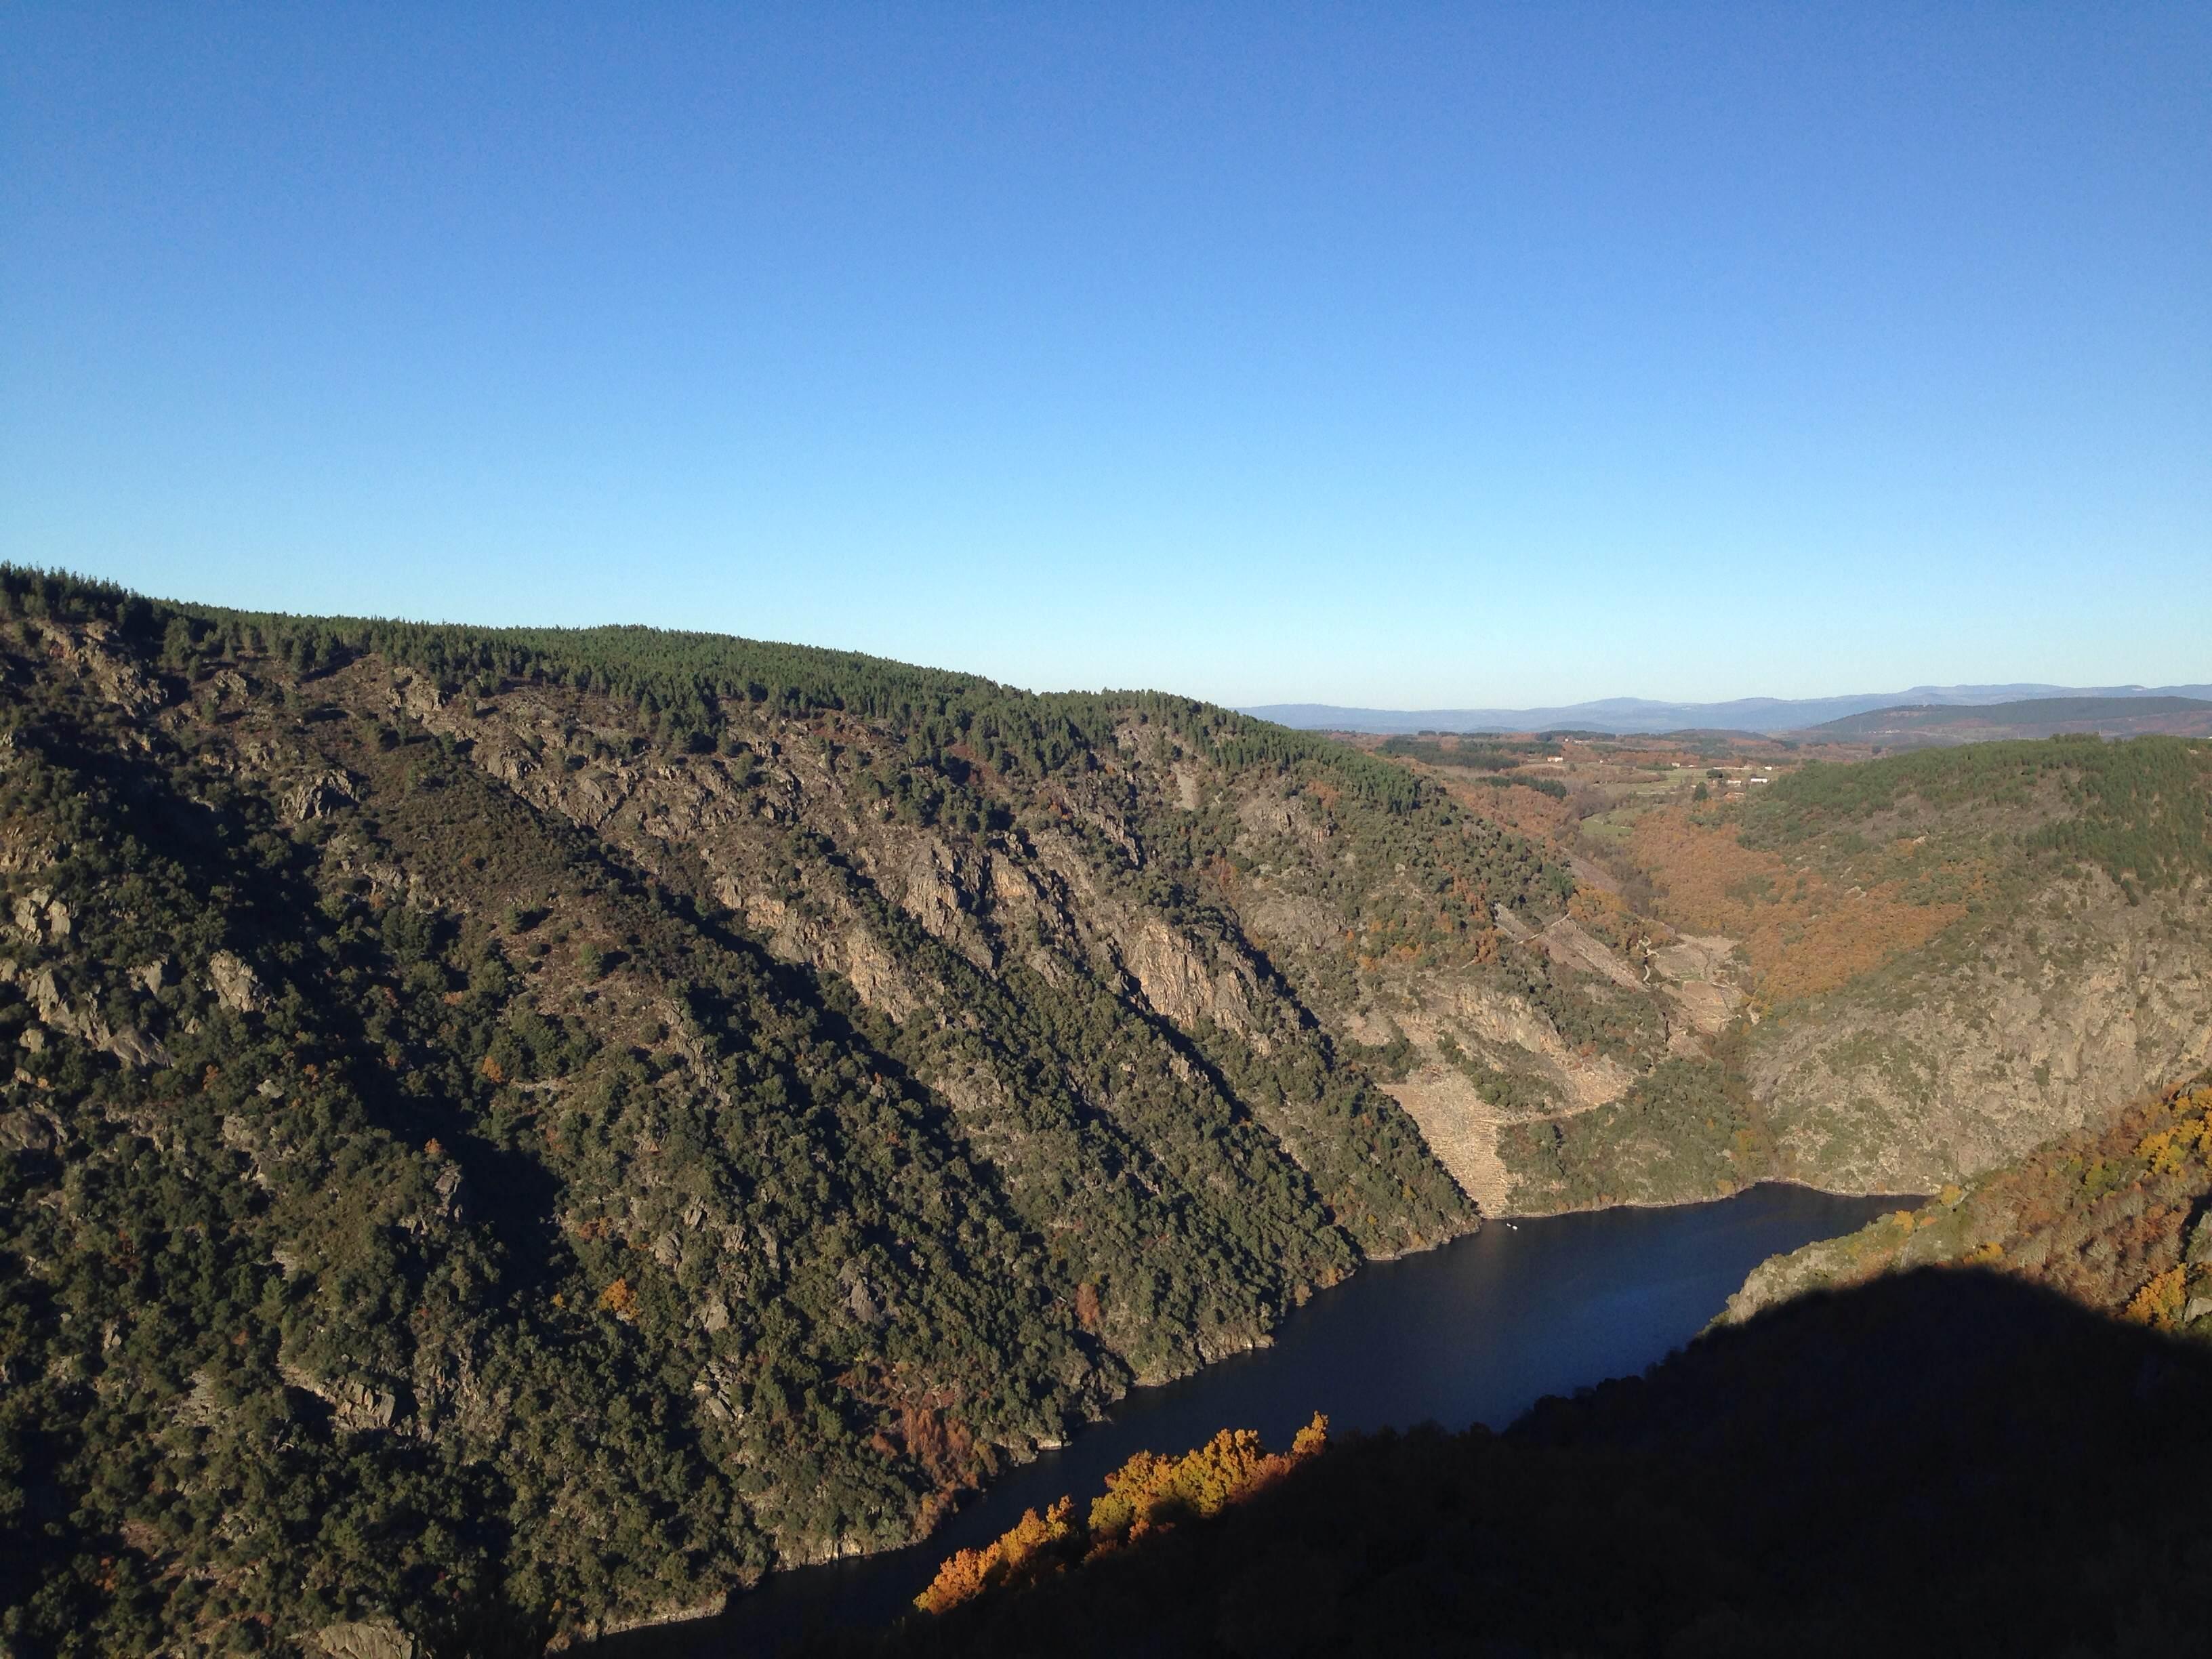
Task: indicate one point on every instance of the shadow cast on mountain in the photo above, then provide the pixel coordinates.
(1947, 1462)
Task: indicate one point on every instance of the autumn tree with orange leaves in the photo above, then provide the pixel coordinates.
(1149, 1493)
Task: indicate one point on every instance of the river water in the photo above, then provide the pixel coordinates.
(1476, 1331)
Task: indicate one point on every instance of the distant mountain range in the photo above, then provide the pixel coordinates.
(1628, 715)
(1922, 724)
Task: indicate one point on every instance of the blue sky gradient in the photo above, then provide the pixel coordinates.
(1460, 357)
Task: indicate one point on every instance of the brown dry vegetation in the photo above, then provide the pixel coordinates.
(1802, 933)
(1609, 917)
(1524, 812)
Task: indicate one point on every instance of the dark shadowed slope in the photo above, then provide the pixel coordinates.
(1951, 1463)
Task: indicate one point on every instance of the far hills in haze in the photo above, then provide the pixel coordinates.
(1929, 705)
(2039, 717)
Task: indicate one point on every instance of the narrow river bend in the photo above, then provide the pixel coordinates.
(1476, 1331)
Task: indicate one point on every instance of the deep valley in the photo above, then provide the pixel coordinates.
(516, 1133)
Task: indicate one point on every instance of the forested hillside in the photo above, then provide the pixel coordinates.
(514, 1131)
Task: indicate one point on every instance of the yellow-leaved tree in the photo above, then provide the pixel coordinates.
(1146, 1494)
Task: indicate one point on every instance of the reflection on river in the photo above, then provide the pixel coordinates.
(1476, 1331)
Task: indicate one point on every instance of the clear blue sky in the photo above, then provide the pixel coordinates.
(1409, 356)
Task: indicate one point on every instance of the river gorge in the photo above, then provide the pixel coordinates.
(1476, 1331)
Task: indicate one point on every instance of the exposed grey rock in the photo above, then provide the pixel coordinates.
(1900, 1085)
(41, 918)
(358, 1407)
(90, 647)
(29, 1131)
(319, 795)
(237, 986)
(355, 1404)
(366, 1639)
(2200, 1241)
(46, 993)
(84, 1021)
(862, 1302)
(199, 1408)
(134, 1048)
(452, 1195)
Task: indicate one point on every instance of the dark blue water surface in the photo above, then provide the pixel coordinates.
(1476, 1331)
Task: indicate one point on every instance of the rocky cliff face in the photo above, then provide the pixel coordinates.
(2017, 1022)
(2047, 1020)
(662, 1159)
